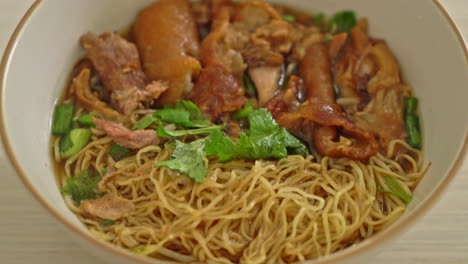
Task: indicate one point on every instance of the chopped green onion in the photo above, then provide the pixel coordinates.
(249, 84)
(342, 21)
(104, 171)
(411, 105)
(413, 130)
(74, 124)
(206, 130)
(336, 90)
(118, 152)
(107, 222)
(145, 122)
(87, 120)
(245, 111)
(62, 119)
(138, 249)
(319, 20)
(74, 141)
(288, 18)
(396, 189)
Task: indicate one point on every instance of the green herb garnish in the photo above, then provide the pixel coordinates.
(83, 186)
(413, 130)
(74, 141)
(187, 158)
(61, 122)
(319, 20)
(266, 140)
(245, 111)
(288, 18)
(342, 21)
(87, 120)
(184, 113)
(411, 105)
(178, 133)
(118, 152)
(107, 222)
(412, 122)
(145, 122)
(396, 189)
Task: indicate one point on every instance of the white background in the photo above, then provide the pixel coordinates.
(29, 235)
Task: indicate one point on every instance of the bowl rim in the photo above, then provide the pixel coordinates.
(372, 242)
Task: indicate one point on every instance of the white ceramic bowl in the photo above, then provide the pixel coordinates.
(45, 46)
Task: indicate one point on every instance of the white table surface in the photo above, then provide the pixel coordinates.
(29, 235)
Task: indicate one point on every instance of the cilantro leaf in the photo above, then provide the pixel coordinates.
(184, 113)
(396, 189)
(266, 140)
(205, 130)
(343, 21)
(221, 146)
(83, 186)
(145, 122)
(187, 158)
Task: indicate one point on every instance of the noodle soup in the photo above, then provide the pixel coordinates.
(237, 133)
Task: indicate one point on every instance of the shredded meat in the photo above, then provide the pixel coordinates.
(110, 206)
(118, 64)
(127, 138)
(288, 100)
(167, 39)
(217, 92)
(80, 86)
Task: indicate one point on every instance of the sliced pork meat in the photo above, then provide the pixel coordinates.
(350, 142)
(125, 137)
(167, 38)
(254, 14)
(368, 72)
(315, 69)
(110, 206)
(320, 121)
(217, 92)
(118, 64)
(288, 100)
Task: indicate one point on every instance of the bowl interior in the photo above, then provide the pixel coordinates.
(432, 58)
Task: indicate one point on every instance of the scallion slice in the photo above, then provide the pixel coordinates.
(87, 120)
(74, 141)
(62, 119)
